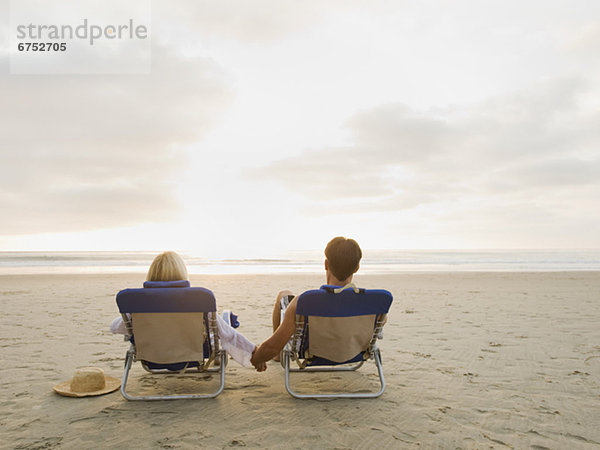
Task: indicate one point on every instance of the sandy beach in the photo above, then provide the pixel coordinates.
(471, 360)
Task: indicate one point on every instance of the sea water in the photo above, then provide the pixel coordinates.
(374, 261)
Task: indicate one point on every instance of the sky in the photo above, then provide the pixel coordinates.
(272, 126)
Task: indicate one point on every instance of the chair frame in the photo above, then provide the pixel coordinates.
(290, 352)
(131, 357)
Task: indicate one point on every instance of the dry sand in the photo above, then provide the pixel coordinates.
(472, 360)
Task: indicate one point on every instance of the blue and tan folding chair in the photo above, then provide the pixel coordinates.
(172, 328)
(337, 330)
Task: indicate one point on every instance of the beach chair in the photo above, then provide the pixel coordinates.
(337, 330)
(172, 328)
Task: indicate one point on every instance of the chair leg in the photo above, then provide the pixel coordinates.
(223, 366)
(128, 363)
(295, 394)
(380, 371)
(285, 355)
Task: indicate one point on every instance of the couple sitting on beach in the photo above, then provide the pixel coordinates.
(342, 258)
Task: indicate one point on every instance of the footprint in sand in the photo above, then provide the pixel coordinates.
(45, 442)
(164, 443)
(148, 382)
(470, 376)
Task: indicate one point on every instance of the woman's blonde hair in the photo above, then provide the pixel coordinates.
(167, 266)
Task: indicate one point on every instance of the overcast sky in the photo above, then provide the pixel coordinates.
(268, 126)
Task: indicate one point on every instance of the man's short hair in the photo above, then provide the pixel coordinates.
(343, 256)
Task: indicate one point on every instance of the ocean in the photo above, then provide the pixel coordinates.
(375, 261)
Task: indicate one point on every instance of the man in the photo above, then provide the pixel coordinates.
(342, 260)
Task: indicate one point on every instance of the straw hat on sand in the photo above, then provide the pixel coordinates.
(88, 381)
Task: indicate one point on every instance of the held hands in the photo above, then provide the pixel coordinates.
(259, 366)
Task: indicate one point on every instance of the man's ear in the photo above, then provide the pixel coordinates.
(357, 267)
(326, 264)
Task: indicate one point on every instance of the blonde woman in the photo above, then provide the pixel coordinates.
(169, 266)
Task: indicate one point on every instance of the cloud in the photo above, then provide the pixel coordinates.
(94, 151)
(259, 21)
(556, 172)
(402, 158)
(583, 39)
